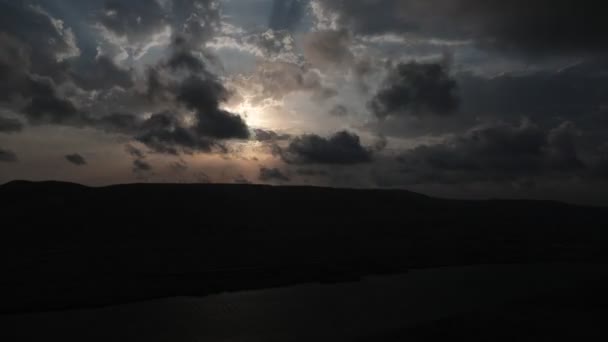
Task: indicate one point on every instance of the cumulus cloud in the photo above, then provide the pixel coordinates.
(415, 89)
(164, 133)
(203, 95)
(34, 47)
(342, 148)
(48, 41)
(495, 153)
(76, 159)
(47, 106)
(183, 84)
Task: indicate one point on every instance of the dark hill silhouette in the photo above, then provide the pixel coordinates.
(67, 246)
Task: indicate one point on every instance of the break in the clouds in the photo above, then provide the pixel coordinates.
(448, 96)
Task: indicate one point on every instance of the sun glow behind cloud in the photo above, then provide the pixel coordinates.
(257, 115)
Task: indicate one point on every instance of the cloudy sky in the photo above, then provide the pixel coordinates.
(458, 98)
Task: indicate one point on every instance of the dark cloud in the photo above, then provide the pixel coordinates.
(10, 125)
(222, 124)
(200, 91)
(577, 93)
(22, 63)
(543, 26)
(140, 166)
(185, 60)
(181, 81)
(163, 133)
(76, 159)
(263, 135)
(286, 14)
(572, 93)
(33, 49)
(495, 153)
(48, 107)
(204, 96)
(14, 66)
(7, 156)
(415, 89)
(272, 174)
(134, 152)
(45, 40)
(341, 148)
(185, 55)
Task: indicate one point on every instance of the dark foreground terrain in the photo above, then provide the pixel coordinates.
(68, 246)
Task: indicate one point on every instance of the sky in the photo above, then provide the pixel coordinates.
(452, 98)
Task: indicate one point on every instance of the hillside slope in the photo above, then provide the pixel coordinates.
(67, 245)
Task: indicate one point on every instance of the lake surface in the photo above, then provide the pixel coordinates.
(312, 312)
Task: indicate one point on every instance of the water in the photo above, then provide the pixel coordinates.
(311, 312)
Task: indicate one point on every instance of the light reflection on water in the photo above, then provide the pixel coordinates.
(313, 312)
